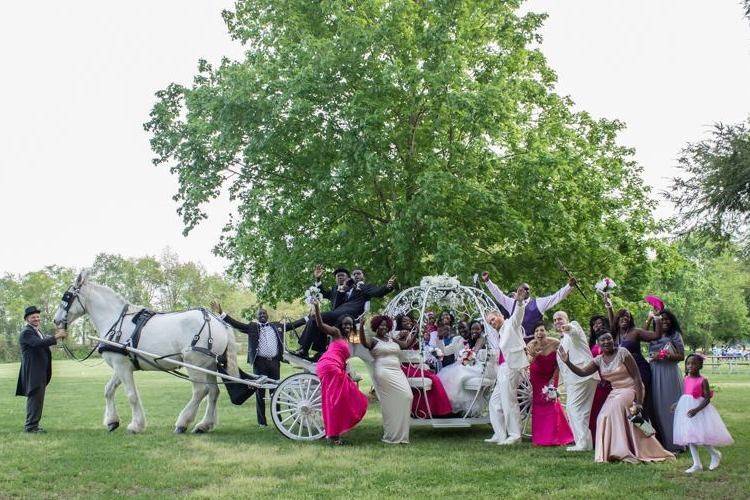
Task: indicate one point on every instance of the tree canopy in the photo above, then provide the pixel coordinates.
(714, 195)
(405, 137)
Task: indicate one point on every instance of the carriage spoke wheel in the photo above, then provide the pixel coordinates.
(296, 407)
(524, 395)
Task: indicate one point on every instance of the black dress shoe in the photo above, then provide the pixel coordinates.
(37, 430)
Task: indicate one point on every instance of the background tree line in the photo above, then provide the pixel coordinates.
(161, 283)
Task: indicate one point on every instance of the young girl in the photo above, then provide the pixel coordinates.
(696, 421)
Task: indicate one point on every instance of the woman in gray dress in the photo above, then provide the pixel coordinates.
(665, 355)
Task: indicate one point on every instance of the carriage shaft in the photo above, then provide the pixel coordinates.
(268, 383)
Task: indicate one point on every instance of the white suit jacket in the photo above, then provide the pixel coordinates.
(510, 339)
(577, 346)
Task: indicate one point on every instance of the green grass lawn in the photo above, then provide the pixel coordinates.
(79, 458)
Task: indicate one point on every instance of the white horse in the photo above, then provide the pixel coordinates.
(164, 334)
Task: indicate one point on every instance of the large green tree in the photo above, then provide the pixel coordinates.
(407, 137)
(713, 195)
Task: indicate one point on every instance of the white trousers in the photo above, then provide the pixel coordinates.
(580, 396)
(505, 414)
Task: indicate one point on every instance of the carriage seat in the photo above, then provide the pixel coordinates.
(420, 383)
(476, 383)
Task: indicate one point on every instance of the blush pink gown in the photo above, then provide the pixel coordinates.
(549, 427)
(616, 437)
(343, 403)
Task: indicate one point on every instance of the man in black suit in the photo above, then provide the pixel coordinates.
(36, 366)
(350, 300)
(265, 348)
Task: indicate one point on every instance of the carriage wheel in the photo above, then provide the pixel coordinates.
(524, 398)
(296, 407)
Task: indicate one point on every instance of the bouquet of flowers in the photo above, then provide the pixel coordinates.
(468, 356)
(662, 354)
(605, 285)
(442, 281)
(550, 392)
(313, 294)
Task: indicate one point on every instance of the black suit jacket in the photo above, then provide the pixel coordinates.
(355, 306)
(334, 296)
(36, 361)
(252, 330)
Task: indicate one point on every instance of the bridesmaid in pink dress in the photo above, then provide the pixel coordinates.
(343, 403)
(549, 427)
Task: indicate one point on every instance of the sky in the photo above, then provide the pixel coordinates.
(78, 81)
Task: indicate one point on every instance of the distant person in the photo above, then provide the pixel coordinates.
(36, 366)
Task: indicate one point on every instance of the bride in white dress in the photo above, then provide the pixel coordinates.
(456, 374)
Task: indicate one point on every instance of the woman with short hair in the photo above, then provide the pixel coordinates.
(391, 385)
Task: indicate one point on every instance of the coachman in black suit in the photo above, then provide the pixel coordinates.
(36, 367)
(265, 349)
(347, 300)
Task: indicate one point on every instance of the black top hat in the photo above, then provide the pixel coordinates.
(29, 311)
(341, 270)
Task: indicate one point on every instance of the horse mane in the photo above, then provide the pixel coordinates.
(106, 289)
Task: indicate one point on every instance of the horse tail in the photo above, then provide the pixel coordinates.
(232, 349)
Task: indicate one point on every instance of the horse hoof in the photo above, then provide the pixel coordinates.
(113, 426)
(198, 430)
(180, 430)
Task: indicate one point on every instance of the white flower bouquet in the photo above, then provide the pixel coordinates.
(550, 392)
(312, 295)
(605, 285)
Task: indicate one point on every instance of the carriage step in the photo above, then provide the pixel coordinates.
(445, 423)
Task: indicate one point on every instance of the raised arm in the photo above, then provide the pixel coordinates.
(362, 337)
(500, 297)
(545, 303)
(610, 313)
(647, 335)
(371, 291)
(516, 319)
(326, 329)
(582, 371)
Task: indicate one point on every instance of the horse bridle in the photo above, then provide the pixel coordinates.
(68, 298)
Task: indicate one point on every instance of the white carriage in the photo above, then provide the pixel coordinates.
(296, 404)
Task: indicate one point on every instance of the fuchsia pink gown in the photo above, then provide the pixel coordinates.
(343, 403)
(549, 427)
(434, 402)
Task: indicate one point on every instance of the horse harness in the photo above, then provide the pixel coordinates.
(140, 319)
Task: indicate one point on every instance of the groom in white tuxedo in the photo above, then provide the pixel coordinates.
(507, 336)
